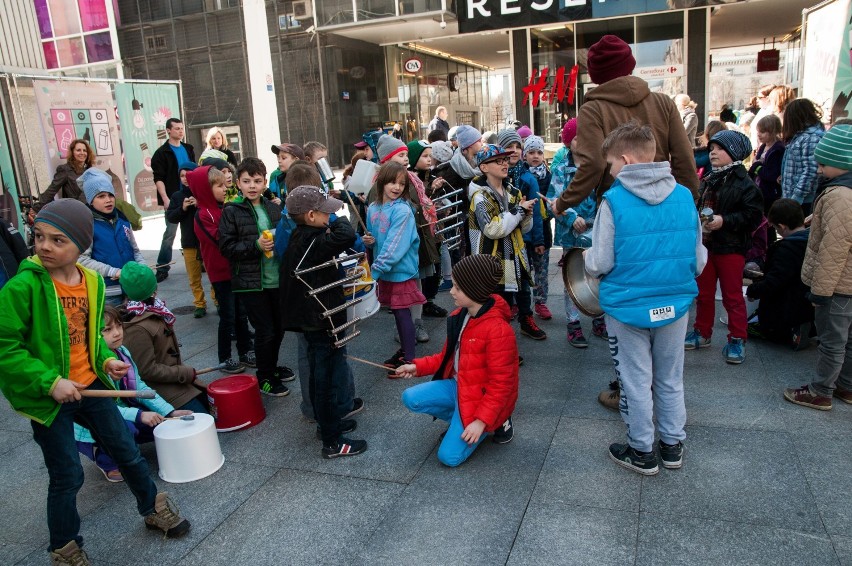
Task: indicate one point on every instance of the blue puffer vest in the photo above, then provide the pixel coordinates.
(653, 281)
(111, 244)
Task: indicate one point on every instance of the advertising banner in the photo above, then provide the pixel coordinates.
(842, 104)
(824, 34)
(72, 110)
(143, 110)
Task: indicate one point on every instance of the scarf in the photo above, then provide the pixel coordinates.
(515, 173)
(158, 307)
(128, 382)
(719, 173)
(460, 165)
(539, 171)
(426, 204)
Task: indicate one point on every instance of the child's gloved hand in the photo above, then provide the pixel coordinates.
(66, 391)
(406, 371)
(473, 432)
(116, 368)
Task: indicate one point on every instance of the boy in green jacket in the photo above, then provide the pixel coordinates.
(51, 350)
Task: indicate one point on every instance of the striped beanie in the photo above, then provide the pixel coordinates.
(735, 144)
(415, 150)
(72, 218)
(835, 148)
(507, 136)
(478, 276)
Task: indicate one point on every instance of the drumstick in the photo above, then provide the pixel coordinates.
(162, 265)
(374, 364)
(208, 370)
(144, 394)
(355, 211)
(183, 418)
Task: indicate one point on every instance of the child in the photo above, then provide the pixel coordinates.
(150, 337)
(737, 211)
(521, 180)
(316, 241)
(51, 349)
(288, 154)
(113, 244)
(254, 270)
(391, 222)
(828, 271)
(314, 151)
(785, 313)
(475, 377)
(208, 187)
(646, 291)
(182, 211)
(766, 168)
(539, 254)
(141, 417)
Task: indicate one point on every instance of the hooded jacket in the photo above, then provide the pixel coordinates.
(828, 261)
(238, 234)
(690, 124)
(487, 373)
(614, 103)
(34, 344)
(397, 247)
(186, 218)
(207, 225)
(740, 204)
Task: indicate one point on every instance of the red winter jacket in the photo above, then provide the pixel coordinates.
(207, 225)
(488, 364)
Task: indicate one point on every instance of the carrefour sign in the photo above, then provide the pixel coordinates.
(485, 15)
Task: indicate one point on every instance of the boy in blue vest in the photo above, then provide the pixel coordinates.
(647, 252)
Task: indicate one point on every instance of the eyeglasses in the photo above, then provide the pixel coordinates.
(499, 161)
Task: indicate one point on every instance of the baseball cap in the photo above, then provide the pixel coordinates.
(290, 148)
(305, 198)
(360, 144)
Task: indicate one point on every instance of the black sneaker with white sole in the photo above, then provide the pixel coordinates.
(232, 366)
(345, 447)
(249, 359)
(273, 387)
(346, 426)
(504, 433)
(357, 407)
(285, 374)
(671, 455)
(624, 455)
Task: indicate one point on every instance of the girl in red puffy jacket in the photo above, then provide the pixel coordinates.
(475, 377)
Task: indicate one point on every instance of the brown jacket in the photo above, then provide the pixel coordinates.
(827, 268)
(614, 103)
(154, 348)
(64, 184)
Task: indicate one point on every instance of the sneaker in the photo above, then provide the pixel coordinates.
(803, 396)
(70, 554)
(599, 328)
(232, 366)
(734, 351)
(345, 447)
(445, 285)
(346, 426)
(543, 312)
(624, 455)
(273, 387)
(249, 359)
(162, 276)
(112, 476)
(514, 312)
(357, 407)
(284, 374)
(844, 395)
(166, 517)
(431, 309)
(575, 336)
(504, 433)
(530, 328)
(611, 396)
(671, 455)
(200, 312)
(694, 340)
(420, 333)
(396, 360)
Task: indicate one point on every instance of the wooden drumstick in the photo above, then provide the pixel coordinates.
(163, 265)
(144, 394)
(183, 418)
(374, 364)
(355, 211)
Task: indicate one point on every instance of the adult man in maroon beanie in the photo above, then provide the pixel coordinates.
(620, 98)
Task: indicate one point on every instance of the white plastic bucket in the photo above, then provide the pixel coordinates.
(188, 450)
(363, 176)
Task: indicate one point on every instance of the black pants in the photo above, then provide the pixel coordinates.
(329, 375)
(228, 320)
(262, 310)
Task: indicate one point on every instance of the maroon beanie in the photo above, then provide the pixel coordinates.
(609, 59)
(569, 131)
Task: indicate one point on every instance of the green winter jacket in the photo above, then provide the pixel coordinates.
(34, 343)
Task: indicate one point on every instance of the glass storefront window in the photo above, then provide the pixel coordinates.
(659, 45)
(334, 12)
(98, 47)
(43, 19)
(93, 15)
(50, 58)
(66, 20)
(419, 6)
(71, 51)
(375, 9)
(554, 49)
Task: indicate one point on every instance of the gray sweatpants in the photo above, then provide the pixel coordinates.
(644, 358)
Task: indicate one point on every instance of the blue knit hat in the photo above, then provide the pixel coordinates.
(735, 144)
(93, 181)
(466, 136)
(188, 166)
(489, 152)
(835, 147)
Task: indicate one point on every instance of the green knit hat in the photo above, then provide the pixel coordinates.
(835, 147)
(415, 150)
(138, 281)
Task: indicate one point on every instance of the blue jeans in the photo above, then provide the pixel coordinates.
(439, 399)
(101, 417)
(228, 320)
(142, 434)
(346, 396)
(329, 374)
(165, 255)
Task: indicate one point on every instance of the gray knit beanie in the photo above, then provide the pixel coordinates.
(389, 146)
(72, 218)
(507, 136)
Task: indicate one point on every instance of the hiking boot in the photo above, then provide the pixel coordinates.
(803, 396)
(514, 312)
(112, 476)
(543, 312)
(671, 455)
(346, 426)
(611, 396)
(445, 285)
(420, 333)
(345, 447)
(599, 328)
(273, 387)
(504, 433)
(284, 374)
(734, 351)
(166, 517)
(530, 328)
(249, 359)
(232, 366)
(624, 455)
(694, 340)
(200, 312)
(844, 395)
(70, 555)
(357, 407)
(431, 309)
(575, 336)
(161, 276)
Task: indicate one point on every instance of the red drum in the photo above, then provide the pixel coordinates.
(235, 402)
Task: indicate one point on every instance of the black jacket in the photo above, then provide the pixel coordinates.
(165, 167)
(783, 296)
(740, 204)
(238, 234)
(13, 250)
(299, 311)
(177, 215)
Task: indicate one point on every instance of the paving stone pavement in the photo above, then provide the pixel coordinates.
(764, 481)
